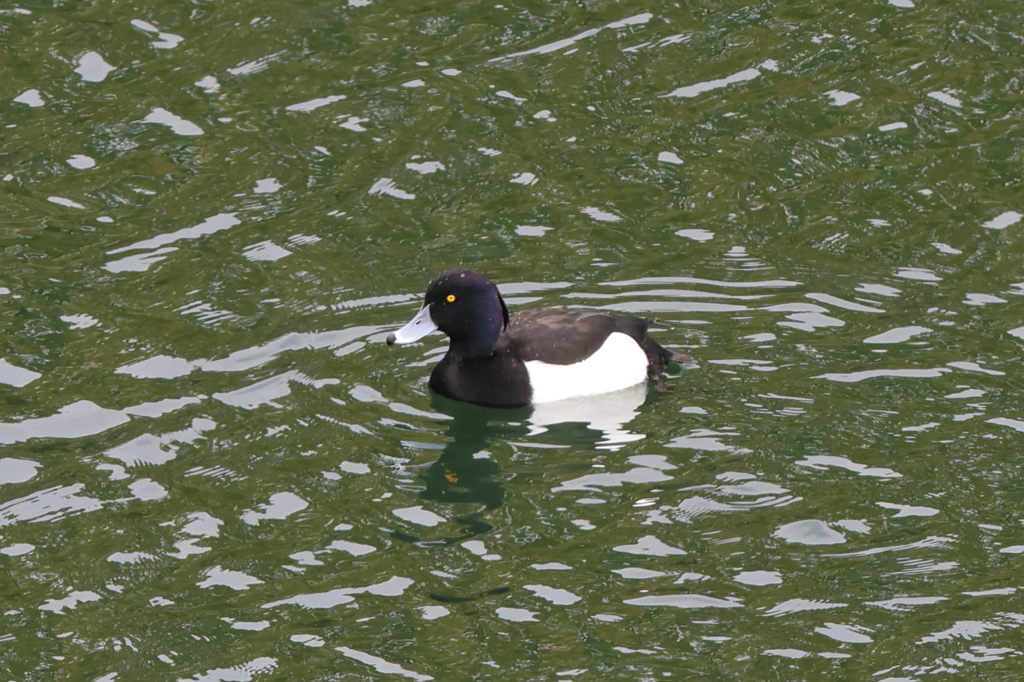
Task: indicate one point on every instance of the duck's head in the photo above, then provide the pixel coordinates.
(464, 305)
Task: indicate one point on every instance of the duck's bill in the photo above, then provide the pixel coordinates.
(418, 327)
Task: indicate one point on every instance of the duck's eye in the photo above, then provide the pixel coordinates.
(450, 298)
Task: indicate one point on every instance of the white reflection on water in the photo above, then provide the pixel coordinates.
(975, 367)
(419, 516)
(853, 377)
(908, 510)
(426, 167)
(919, 274)
(794, 654)
(382, 666)
(700, 88)
(760, 284)
(945, 98)
(705, 439)
(392, 587)
(567, 42)
(147, 489)
(967, 393)
(280, 506)
(532, 230)
(129, 557)
(387, 186)
(841, 97)
(809, 532)
(16, 471)
(80, 321)
(822, 462)
(48, 505)
(478, 548)
(213, 224)
(353, 548)
(236, 580)
(759, 578)
(553, 594)
(157, 367)
(83, 418)
(829, 299)
(931, 541)
(1004, 220)
(982, 299)
(800, 605)
(30, 97)
(176, 123)
(638, 573)
(307, 640)
(805, 316)
(972, 629)
(160, 407)
(601, 215)
(254, 626)
(139, 262)
(256, 65)
(686, 601)
(904, 603)
(12, 375)
(637, 475)
(92, 67)
(524, 179)
(312, 104)
(1015, 424)
(667, 293)
(353, 123)
(239, 673)
(62, 201)
(898, 335)
(257, 356)
(267, 186)
(150, 449)
(851, 634)
(668, 40)
(265, 392)
(209, 84)
(696, 234)
(75, 598)
(164, 41)
(672, 307)
(17, 549)
(199, 525)
(649, 545)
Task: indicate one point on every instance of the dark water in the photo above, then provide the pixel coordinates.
(213, 214)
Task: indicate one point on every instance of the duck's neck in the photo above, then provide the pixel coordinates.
(477, 339)
(476, 346)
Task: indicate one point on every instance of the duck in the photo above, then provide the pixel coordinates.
(535, 356)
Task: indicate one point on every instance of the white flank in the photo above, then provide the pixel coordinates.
(619, 363)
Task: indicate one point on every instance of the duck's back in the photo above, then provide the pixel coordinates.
(565, 337)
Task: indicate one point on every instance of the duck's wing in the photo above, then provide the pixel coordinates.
(564, 337)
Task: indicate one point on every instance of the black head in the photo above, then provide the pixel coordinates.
(468, 308)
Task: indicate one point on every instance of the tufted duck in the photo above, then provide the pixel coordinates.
(534, 356)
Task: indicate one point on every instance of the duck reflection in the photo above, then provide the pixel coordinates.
(466, 473)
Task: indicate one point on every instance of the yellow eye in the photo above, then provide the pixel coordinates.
(450, 298)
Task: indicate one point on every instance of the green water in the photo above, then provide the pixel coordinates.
(213, 468)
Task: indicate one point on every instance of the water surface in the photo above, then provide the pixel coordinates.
(213, 215)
